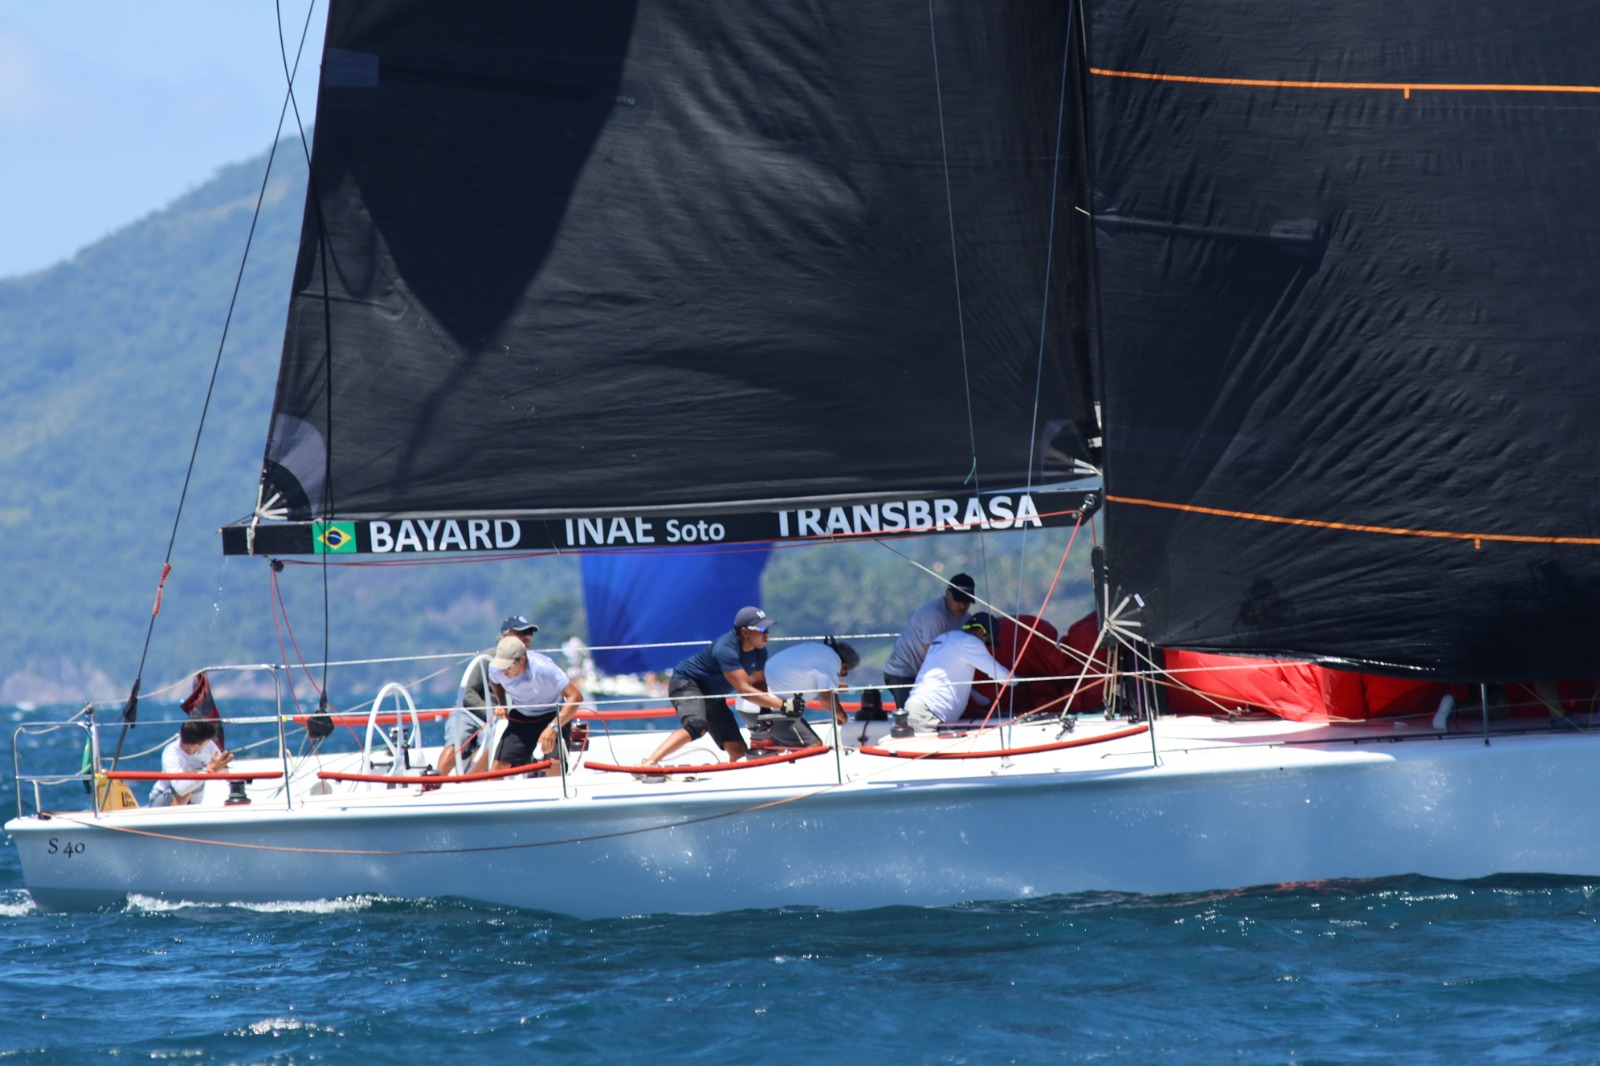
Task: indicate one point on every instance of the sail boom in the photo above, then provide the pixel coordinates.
(791, 520)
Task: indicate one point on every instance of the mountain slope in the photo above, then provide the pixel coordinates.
(106, 362)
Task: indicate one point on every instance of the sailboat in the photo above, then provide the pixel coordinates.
(1305, 289)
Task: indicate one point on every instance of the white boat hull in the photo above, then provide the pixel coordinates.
(1230, 805)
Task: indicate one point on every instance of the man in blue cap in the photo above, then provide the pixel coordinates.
(735, 662)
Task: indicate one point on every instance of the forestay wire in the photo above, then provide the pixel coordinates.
(319, 725)
(955, 257)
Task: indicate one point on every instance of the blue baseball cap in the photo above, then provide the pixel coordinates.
(751, 618)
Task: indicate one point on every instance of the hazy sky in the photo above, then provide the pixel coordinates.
(111, 109)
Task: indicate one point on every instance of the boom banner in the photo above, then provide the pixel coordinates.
(476, 533)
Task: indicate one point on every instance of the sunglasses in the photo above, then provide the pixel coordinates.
(758, 629)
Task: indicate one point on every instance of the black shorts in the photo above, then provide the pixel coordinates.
(519, 745)
(701, 714)
(899, 687)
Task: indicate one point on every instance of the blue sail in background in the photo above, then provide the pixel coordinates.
(660, 597)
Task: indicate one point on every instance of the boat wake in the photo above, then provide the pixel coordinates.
(347, 905)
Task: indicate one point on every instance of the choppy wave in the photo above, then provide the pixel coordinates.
(1410, 969)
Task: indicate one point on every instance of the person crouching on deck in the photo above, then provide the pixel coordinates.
(945, 680)
(539, 699)
(194, 750)
(734, 662)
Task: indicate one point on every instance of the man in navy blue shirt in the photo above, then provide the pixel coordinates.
(735, 662)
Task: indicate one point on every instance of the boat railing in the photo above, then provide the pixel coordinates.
(394, 739)
(92, 776)
(38, 781)
(279, 719)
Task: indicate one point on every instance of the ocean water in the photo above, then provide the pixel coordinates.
(1405, 970)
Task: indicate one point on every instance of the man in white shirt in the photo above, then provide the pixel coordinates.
(468, 725)
(539, 700)
(927, 622)
(812, 670)
(945, 680)
(194, 750)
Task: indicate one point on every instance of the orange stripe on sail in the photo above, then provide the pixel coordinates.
(1351, 527)
(1406, 88)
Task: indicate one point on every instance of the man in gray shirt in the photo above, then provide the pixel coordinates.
(931, 620)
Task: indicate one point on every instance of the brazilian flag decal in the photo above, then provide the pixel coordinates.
(332, 538)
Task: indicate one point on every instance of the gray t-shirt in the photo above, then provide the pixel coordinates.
(928, 622)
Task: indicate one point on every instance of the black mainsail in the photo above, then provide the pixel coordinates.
(613, 264)
(1347, 270)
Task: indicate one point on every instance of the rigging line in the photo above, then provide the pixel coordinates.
(985, 604)
(144, 694)
(1049, 265)
(323, 706)
(457, 657)
(1050, 245)
(276, 597)
(1083, 134)
(955, 270)
(1477, 539)
(1406, 88)
(451, 559)
(1017, 653)
(955, 259)
(314, 198)
(1162, 674)
(233, 301)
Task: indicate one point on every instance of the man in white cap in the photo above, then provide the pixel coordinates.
(514, 626)
(538, 700)
(735, 662)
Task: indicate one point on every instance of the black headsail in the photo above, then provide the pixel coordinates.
(1349, 257)
(602, 269)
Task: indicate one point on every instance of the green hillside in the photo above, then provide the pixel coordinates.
(105, 362)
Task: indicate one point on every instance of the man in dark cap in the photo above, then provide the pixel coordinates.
(945, 680)
(735, 662)
(927, 622)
